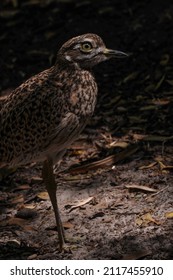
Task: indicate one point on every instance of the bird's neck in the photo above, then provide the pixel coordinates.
(63, 63)
(80, 88)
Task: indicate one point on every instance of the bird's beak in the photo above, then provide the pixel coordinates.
(113, 53)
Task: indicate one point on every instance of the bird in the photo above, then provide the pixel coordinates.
(42, 117)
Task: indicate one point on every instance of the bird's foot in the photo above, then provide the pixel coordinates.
(69, 245)
(65, 248)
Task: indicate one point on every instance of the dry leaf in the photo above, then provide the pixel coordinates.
(148, 108)
(68, 225)
(32, 257)
(167, 167)
(16, 221)
(14, 242)
(138, 136)
(149, 218)
(157, 138)
(29, 206)
(121, 144)
(22, 187)
(160, 102)
(159, 83)
(139, 221)
(75, 178)
(170, 82)
(105, 10)
(28, 228)
(165, 58)
(106, 161)
(36, 179)
(161, 164)
(169, 215)
(130, 77)
(43, 195)
(18, 199)
(140, 187)
(146, 219)
(81, 203)
(148, 166)
(9, 13)
(137, 119)
(103, 204)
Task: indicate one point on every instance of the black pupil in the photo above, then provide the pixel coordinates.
(87, 46)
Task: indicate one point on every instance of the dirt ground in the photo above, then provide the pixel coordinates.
(115, 186)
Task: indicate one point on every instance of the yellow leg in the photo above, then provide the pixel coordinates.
(51, 187)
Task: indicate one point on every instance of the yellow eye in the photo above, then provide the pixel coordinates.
(86, 47)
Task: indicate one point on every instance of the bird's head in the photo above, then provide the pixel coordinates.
(86, 50)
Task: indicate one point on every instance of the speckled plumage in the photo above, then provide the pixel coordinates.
(44, 115)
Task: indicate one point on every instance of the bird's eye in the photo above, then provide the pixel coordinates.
(86, 47)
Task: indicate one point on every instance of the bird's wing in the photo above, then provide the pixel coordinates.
(65, 133)
(35, 123)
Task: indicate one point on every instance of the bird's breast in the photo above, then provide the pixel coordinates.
(83, 95)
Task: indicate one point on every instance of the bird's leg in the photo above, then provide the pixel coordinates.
(49, 179)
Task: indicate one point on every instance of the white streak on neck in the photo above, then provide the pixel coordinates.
(67, 57)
